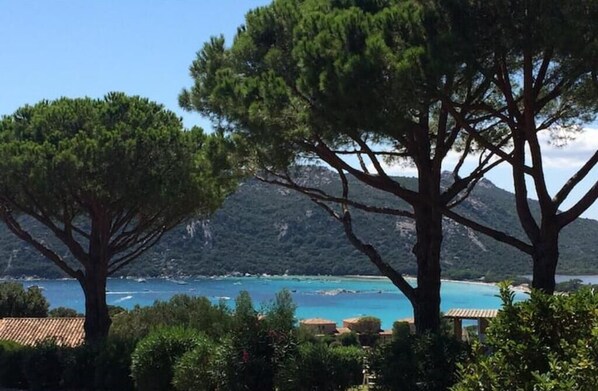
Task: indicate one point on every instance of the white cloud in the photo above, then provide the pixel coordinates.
(571, 155)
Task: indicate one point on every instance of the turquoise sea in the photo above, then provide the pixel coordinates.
(333, 298)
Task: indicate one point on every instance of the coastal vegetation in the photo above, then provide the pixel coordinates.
(549, 342)
(319, 99)
(544, 343)
(106, 178)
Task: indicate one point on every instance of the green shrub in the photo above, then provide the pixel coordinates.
(348, 339)
(11, 365)
(368, 325)
(105, 366)
(152, 362)
(401, 330)
(63, 312)
(258, 345)
(194, 370)
(43, 365)
(181, 310)
(418, 362)
(79, 364)
(544, 343)
(113, 365)
(323, 368)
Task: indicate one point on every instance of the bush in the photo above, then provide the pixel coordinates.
(152, 362)
(318, 366)
(544, 343)
(113, 365)
(368, 325)
(11, 365)
(79, 363)
(418, 362)
(348, 339)
(43, 365)
(401, 330)
(181, 310)
(194, 371)
(63, 312)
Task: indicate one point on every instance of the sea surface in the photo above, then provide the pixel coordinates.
(333, 298)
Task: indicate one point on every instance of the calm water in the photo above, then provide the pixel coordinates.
(331, 298)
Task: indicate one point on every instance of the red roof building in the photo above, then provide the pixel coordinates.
(30, 331)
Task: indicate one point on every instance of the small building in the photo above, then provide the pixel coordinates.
(481, 316)
(385, 336)
(67, 332)
(343, 330)
(319, 325)
(350, 323)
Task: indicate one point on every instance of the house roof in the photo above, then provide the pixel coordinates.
(29, 331)
(470, 313)
(343, 330)
(317, 321)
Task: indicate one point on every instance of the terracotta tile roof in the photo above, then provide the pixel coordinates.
(470, 313)
(29, 331)
(343, 330)
(317, 321)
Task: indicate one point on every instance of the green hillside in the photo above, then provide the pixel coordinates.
(268, 229)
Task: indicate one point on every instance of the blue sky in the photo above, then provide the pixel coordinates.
(87, 48)
(144, 47)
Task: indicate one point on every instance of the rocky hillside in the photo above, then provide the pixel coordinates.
(267, 229)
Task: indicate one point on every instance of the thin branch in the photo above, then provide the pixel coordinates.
(382, 183)
(575, 179)
(123, 261)
(321, 196)
(580, 206)
(494, 234)
(16, 228)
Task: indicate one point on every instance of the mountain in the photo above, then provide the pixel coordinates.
(267, 229)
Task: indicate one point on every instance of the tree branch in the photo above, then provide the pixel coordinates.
(575, 179)
(494, 234)
(580, 206)
(14, 226)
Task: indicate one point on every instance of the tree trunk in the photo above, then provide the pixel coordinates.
(426, 303)
(546, 258)
(97, 319)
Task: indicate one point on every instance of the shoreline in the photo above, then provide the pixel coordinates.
(523, 288)
(586, 278)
